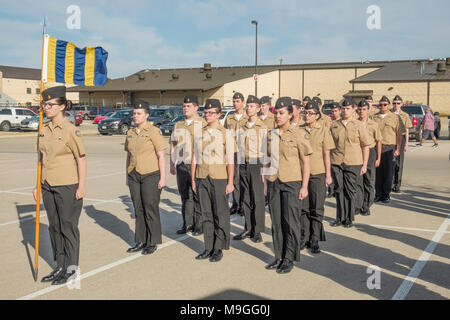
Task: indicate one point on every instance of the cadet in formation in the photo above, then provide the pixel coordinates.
(214, 172)
(391, 131)
(145, 177)
(63, 183)
(366, 182)
(251, 138)
(313, 208)
(181, 147)
(265, 115)
(297, 118)
(233, 122)
(348, 160)
(400, 159)
(287, 187)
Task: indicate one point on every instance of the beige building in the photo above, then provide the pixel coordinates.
(21, 86)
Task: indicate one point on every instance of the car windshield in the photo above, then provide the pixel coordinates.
(157, 113)
(179, 118)
(412, 109)
(119, 114)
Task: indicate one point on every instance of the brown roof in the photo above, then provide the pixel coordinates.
(20, 73)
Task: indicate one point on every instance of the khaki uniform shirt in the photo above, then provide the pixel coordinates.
(326, 120)
(374, 132)
(373, 112)
(60, 146)
(292, 145)
(233, 123)
(269, 121)
(216, 144)
(321, 140)
(143, 147)
(390, 127)
(349, 140)
(406, 121)
(252, 139)
(183, 138)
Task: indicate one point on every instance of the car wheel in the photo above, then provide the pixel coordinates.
(418, 134)
(124, 129)
(5, 126)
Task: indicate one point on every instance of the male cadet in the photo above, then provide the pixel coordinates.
(233, 122)
(265, 115)
(252, 138)
(181, 147)
(336, 112)
(212, 165)
(372, 109)
(305, 100)
(348, 160)
(397, 104)
(392, 130)
(297, 119)
(323, 117)
(366, 182)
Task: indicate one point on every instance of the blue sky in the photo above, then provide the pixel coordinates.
(187, 33)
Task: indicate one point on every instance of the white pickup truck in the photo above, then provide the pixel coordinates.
(11, 117)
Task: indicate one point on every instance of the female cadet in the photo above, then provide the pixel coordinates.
(313, 208)
(287, 187)
(146, 176)
(63, 183)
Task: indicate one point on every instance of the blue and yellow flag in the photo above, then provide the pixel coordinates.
(65, 63)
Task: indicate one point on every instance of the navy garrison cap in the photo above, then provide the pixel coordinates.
(54, 92)
(238, 95)
(191, 99)
(296, 102)
(348, 102)
(283, 102)
(265, 99)
(397, 98)
(252, 99)
(317, 100)
(385, 99)
(363, 103)
(212, 103)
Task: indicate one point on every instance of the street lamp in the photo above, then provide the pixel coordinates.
(256, 56)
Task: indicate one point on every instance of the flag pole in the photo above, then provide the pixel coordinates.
(39, 166)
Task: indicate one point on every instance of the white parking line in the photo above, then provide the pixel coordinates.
(107, 267)
(407, 284)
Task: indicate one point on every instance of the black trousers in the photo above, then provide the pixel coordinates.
(366, 184)
(215, 210)
(398, 166)
(285, 208)
(385, 173)
(63, 212)
(145, 196)
(253, 201)
(190, 205)
(345, 178)
(237, 197)
(313, 209)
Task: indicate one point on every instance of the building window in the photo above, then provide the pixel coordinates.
(28, 90)
(38, 90)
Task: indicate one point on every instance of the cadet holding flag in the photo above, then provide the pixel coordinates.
(322, 142)
(213, 166)
(391, 130)
(63, 183)
(348, 160)
(400, 159)
(182, 141)
(251, 178)
(366, 182)
(287, 188)
(146, 177)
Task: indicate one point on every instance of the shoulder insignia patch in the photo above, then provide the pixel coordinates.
(306, 136)
(77, 133)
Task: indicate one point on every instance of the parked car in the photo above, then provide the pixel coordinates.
(95, 111)
(12, 117)
(83, 111)
(101, 117)
(119, 122)
(160, 115)
(167, 128)
(31, 124)
(225, 114)
(416, 113)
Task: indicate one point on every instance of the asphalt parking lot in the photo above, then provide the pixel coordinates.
(407, 240)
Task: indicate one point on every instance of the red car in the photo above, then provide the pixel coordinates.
(78, 119)
(98, 118)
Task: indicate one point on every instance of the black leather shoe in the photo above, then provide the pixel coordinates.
(185, 229)
(137, 247)
(348, 224)
(241, 212)
(204, 255)
(149, 249)
(377, 199)
(216, 256)
(367, 213)
(386, 200)
(52, 275)
(273, 265)
(304, 244)
(315, 247)
(396, 189)
(181, 231)
(257, 238)
(63, 278)
(335, 223)
(243, 235)
(285, 266)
